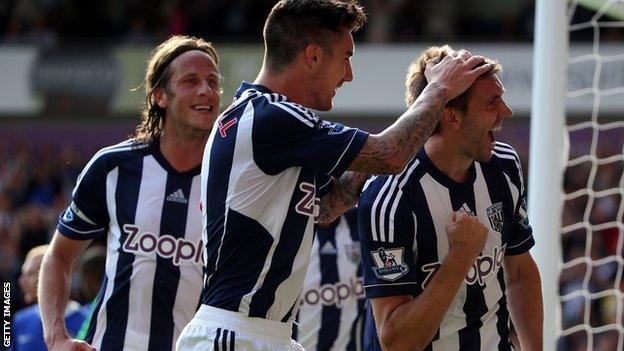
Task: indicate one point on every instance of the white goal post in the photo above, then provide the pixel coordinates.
(546, 152)
(588, 148)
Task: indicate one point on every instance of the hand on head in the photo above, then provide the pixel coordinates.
(456, 72)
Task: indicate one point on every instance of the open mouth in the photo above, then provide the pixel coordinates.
(493, 131)
(202, 108)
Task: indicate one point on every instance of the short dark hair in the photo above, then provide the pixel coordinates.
(415, 81)
(158, 74)
(292, 25)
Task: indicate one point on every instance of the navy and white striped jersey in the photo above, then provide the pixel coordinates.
(266, 164)
(402, 230)
(150, 215)
(332, 302)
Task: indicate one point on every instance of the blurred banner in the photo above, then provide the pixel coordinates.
(108, 82)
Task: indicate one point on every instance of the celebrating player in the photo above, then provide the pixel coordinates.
(272, 168)
(453, 287)
(143, 194)
(332, 302)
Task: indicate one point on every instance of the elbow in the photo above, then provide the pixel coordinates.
(396, 164)
(392, 340)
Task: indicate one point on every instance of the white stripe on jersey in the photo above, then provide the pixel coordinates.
(343, 153)
(491, 292)
(415, 246)
(284, 107)
(405, 175)
(80, 231)
(148, 213)
(390, 284)
(188, 295)
(441, 205)
(396, 182)
(380, 196)
(112, 256)
(520, 244)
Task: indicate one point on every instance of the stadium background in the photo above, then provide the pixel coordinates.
(69, 70)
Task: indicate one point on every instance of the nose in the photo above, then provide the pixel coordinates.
(506, 111)
(206, 88)
(349, 72)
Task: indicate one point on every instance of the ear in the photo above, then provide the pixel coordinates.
(314, 55)
(160, 98)
(452, 118)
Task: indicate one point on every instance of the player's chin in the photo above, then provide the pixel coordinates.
(485, 157)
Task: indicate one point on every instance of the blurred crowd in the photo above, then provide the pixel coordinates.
(47, 22)
(35, 185)
(36, 180)
(591, 282)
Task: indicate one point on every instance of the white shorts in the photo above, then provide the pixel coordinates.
(215, 329)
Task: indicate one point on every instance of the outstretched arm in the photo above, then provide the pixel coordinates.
(54, 279)
(389, 151)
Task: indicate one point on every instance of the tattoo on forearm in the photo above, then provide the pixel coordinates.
(404, 138)
(344, 194)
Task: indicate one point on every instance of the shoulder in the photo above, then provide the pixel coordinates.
(275, 106)
(384, 183)
(505, 151)
(111, 156)
(505, 155)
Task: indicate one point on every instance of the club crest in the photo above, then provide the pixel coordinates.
(496, 217)
(389, 263)
(353, 252)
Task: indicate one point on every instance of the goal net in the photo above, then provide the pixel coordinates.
(592, 230)
(591, 287)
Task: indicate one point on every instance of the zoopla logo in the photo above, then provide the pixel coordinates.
(334, 294)
(178, 249)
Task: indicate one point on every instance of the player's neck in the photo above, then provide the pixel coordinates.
(290, 83)
(447, 157)
(182, 153)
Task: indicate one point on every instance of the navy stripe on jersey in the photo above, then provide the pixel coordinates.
(475, 306)
(93, 319)
(427, 243)
(127, 193)
(502, 325)
(294, 229)
(250, 253)
(330, 315)
(499, 192)
(167, 275)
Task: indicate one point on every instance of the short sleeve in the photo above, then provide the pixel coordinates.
(386, 227)
(288, 135)
(521, 237)
(87, 215)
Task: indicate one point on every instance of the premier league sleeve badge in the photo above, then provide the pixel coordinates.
(389, 263)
